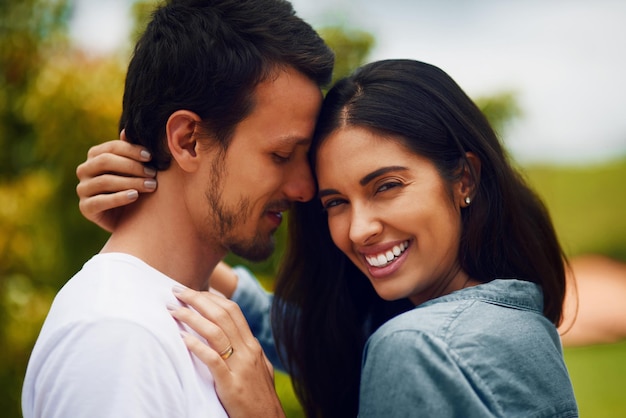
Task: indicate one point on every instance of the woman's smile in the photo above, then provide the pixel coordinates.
(382, 264)
(385, 258)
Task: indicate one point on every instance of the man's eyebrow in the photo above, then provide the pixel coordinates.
(293, 140)
(381, 171)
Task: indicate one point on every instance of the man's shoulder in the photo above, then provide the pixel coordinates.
(115, 364)
(112, 289)
(119, 271)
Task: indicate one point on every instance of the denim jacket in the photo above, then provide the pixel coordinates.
(484, 351)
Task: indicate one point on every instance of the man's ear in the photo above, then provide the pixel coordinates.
(469, 180)
(181, 129)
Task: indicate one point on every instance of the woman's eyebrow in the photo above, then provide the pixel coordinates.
(326, 192)
(365, 180)
(381, 171)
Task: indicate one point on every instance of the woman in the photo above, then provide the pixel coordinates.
(445, 283)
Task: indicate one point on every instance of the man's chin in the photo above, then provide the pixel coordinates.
(255, 252)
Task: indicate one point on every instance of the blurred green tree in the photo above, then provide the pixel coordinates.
(501, 109)
(52, 100)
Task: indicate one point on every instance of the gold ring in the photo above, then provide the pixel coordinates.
(227, 353)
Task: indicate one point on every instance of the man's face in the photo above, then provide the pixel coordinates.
(265, 167)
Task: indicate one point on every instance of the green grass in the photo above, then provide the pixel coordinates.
(599, 377)
(587, 204)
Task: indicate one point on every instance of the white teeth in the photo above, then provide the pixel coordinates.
(386, 258)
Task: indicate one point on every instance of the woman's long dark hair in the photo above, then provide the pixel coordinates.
(325, 308)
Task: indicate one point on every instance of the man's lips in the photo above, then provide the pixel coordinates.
(275, 211)
(276, 217)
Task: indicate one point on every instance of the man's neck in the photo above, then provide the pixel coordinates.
(157, 230)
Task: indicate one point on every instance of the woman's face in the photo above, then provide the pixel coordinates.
(392, 214)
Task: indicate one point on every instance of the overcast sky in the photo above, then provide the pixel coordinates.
(565, 60)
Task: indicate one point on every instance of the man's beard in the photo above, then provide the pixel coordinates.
(256, 249)
(224, 221)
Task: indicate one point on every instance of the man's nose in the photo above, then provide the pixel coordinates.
(300, 186)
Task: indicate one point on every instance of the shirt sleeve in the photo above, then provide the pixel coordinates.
(409, 373)
(113, 369)
(256, 303)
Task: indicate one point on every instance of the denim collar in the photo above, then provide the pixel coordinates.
(514, 293)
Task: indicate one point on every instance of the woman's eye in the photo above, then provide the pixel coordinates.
(332, 203)
(388, 185)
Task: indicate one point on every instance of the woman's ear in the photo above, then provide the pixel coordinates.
(181, 131)
(469, 180)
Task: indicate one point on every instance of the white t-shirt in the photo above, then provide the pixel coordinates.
(110, 348)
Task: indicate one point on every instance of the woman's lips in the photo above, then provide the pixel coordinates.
(386, 262)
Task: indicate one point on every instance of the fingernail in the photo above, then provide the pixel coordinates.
(150, 184)
(132, 195)
(184, 334)
(171, 307)
(178, 288)
(149, 171)
(146, 155)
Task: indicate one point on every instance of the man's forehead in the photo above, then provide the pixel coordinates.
(292, 140)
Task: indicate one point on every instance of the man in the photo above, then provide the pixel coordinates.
(224, 95)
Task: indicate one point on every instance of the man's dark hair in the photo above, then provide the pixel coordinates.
(208, 56)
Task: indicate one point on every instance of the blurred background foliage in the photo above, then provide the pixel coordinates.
(56, 101)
